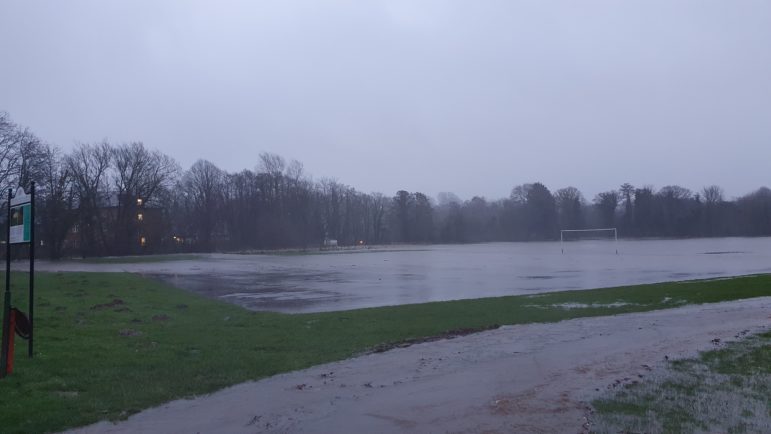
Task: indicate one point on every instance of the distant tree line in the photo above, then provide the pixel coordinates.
(108, 199)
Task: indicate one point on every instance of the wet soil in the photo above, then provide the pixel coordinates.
(535, 378)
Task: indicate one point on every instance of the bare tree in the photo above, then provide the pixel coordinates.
(541, 212)
(676, 211)
(88, 166)
(422, 219)
(379, 206)
(56, 200)
(446, 198)
(31, 155)
(519, 193)
(294, 172)
(139, 176)
(333, 195)
(754, 212)
(569, 202)
(713, 194)
(712, 217)
(606, 203)
(271, 163)
(141, 173)
(627, 192)
(675, 192)
(203, 184)
(9, 152)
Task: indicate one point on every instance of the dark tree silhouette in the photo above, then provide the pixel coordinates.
(93, 200)
(541, 213)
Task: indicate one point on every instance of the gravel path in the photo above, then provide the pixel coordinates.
(528, 378)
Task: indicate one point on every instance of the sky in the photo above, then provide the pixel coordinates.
(471, 97)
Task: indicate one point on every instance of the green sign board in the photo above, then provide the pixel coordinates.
(21, 223)
(21, 218)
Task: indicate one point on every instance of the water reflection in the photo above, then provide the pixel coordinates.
(347, 281)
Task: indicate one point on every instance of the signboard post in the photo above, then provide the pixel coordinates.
(7, 294)
(20, 229)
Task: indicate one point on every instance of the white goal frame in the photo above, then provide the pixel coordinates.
(562, 236)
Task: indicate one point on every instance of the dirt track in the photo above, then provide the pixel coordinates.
(531, 378)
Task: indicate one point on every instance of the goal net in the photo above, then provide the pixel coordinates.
(604, 234)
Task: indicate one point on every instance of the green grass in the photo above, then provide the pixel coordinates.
(180, 344)
(726, 390)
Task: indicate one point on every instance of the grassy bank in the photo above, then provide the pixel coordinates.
(726, 390)
(111, 344)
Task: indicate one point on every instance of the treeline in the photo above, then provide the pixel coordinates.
(106, 199)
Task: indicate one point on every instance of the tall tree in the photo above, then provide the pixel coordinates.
(676, 215)
(520, 192)
(713, 209)
(627, 192)
(569, 201)
(644, 211)
(606, 204)
(402, 203)
(541, 212)
(755, 212)
(56, 200)
(379, 206)
(138, 178)
(203, 184)
(9, 153)
(423, 227)
(88, 165)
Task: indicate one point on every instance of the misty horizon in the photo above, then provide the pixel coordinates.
(438, 96)
(435, 197)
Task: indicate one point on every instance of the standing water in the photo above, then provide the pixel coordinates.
(381, 277)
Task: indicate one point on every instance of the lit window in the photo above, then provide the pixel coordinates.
(140, 216)
(142, 241)
(139, 201)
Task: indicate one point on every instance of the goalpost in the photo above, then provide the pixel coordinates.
(609, 231)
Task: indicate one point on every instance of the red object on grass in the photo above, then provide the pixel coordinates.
(23, 327)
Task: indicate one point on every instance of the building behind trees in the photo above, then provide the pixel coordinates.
(118, 199)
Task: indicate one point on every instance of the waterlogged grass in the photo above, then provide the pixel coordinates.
(139, 259)
(726, 390)
(329, 251)
(111, 344)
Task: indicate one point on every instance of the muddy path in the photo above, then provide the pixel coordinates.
(527, 378)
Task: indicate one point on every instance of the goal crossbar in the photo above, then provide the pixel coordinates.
(563, 231)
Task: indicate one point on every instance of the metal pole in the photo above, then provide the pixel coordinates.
(31, 267)
(7, 297)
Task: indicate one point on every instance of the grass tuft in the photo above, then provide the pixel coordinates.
(725, 390)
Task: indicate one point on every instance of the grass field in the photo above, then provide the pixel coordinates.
(111, 344)
(726, 390)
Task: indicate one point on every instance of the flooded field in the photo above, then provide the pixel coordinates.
(380, 277)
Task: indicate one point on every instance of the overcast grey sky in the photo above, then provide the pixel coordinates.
(472, 97)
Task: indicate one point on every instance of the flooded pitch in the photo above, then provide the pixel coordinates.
(381, 277)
